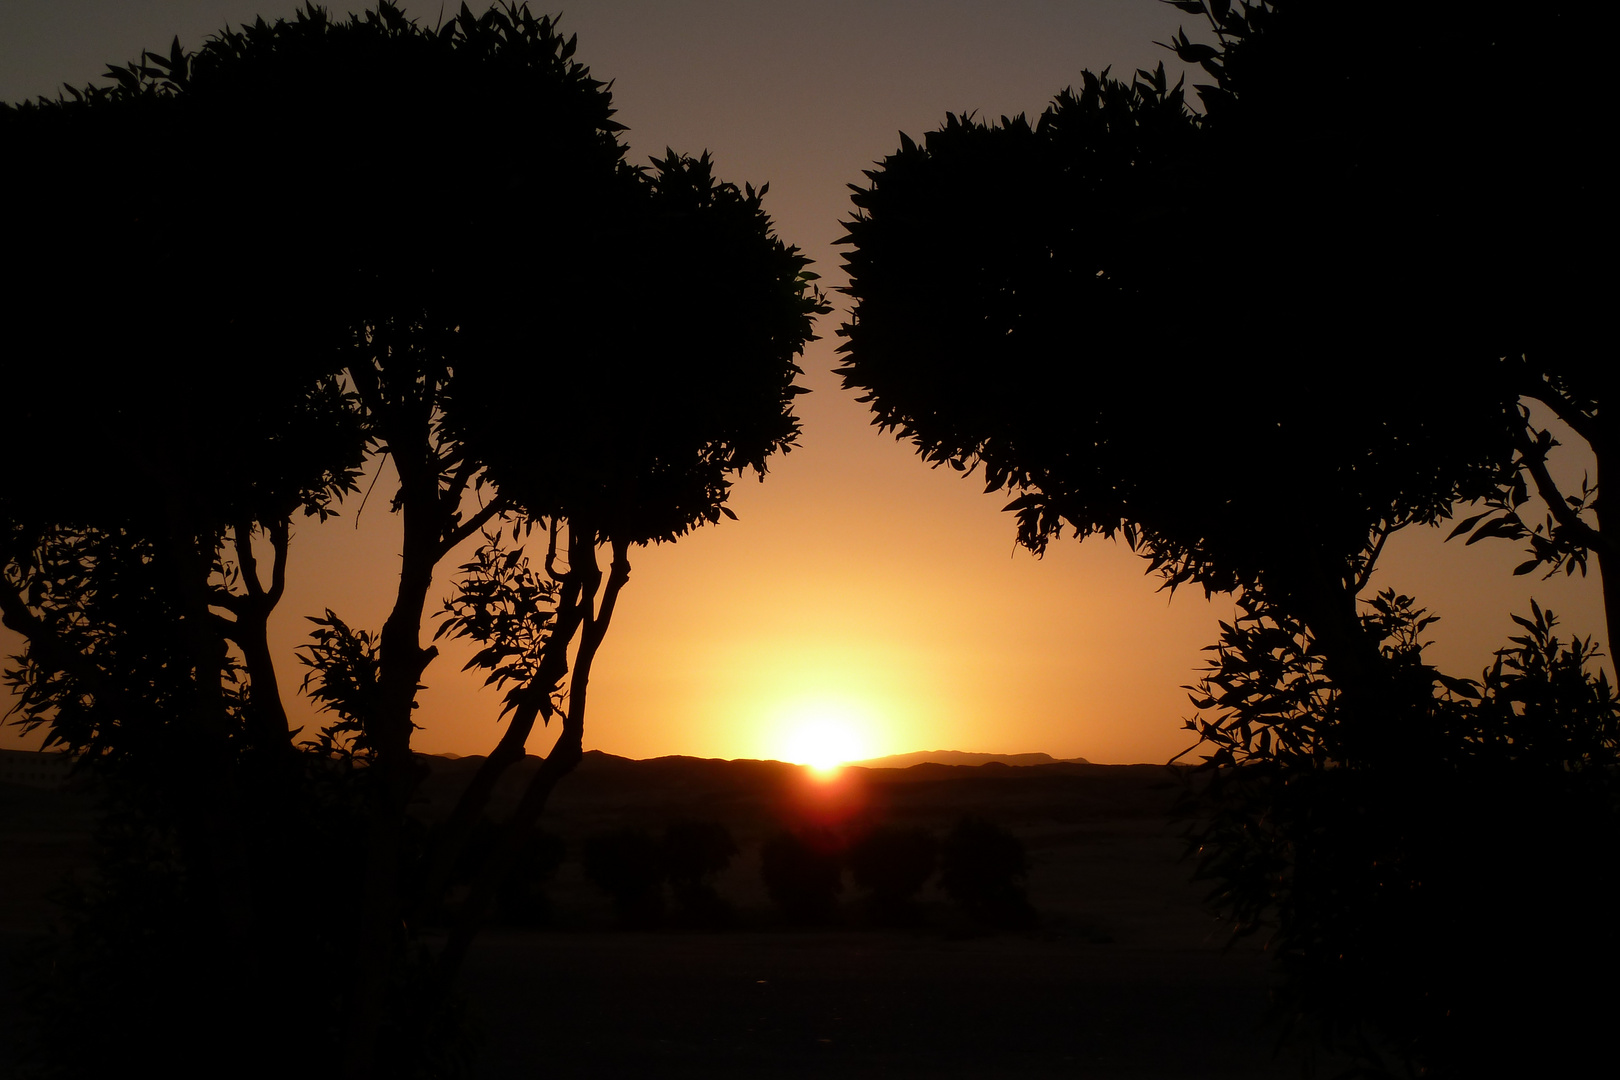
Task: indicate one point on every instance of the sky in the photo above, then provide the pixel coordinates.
(861, 601)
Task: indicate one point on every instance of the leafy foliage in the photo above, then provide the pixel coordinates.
(1060, 343)
(481, 296)
(1570, 529)
(1254, 340)
(696, 383)
(695, 853)
(983, 868)
(523, 900)
(343, 679)
(892, 865)
(503, 605)
(1405, 859)
(632, 867)
(803, 873)
(628, 865)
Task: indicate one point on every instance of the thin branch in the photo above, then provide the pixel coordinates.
(229, 629)
(279, 535)
(450, 499)
(1534, 458)
(496, 507)
(231, 602)
(551, 550)
(16, 616)
(564, 756)
(1372, 558)
(242, 535)
(1563, 407)
(375, 477)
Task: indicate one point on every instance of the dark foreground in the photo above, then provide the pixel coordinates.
(1127, 975)
(849, 1004)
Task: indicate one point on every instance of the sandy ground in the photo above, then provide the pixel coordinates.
(1128, 975)
(864, 1004)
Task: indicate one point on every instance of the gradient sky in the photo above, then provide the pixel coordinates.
(858, 587)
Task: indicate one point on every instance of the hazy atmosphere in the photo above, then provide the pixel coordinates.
(858, 590)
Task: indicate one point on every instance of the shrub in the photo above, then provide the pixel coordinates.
(983, 868)
(628, 865)
(892, 865)
(695, 852)
(803, 874)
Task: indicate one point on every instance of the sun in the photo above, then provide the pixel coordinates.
(823, 737)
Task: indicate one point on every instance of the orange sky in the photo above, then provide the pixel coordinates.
(858, 588)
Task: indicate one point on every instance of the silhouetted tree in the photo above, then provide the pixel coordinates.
(1407, 898)
(522, 899)
(1572, 528)
(803, 874)
(1114, 393)
(487, 266)
(892, 865)
(1255, 341)
(629, 866)
(695, 853)
(983, 868)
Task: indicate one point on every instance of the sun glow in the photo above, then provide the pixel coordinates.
(824, 736)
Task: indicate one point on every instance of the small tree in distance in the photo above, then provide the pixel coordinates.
(629, 866)
(892, 865)
(695, 853)
(803, 873)
(983, 868)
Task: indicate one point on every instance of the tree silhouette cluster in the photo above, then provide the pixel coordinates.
(1254, 339)
(247, 276)
(981, 867)
(633, 868)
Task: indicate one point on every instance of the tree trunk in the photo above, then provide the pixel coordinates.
(559, 763)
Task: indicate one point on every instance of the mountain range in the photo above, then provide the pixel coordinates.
(961, 757)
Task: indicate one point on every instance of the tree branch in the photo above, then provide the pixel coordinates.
(1562, 406)
(228, 600)
(562, 759)
(242, 535)
(458, 484)
(496, 507)
(280, 530)
(1372, 558)
(1533, 458)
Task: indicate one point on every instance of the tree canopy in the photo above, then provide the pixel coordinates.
(1253, 335)
(1254, 338)
(247, 275)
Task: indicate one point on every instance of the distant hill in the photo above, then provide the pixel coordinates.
(960, 757)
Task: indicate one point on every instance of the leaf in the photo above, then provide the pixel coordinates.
(1468, 523)
(1508, 526)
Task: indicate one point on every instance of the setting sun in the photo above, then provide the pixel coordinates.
(824, 736)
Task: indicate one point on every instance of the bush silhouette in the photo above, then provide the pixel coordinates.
(892, 864)
(695, 852)
(983, 867)
(522, 899)
(803, 875)
(628, 865)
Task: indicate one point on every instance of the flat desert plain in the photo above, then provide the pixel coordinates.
(1125, 975)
